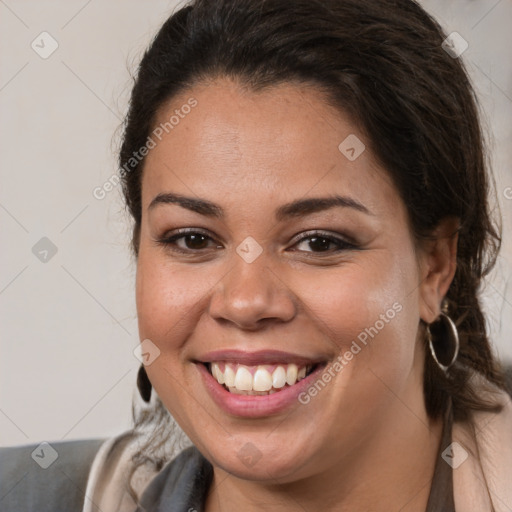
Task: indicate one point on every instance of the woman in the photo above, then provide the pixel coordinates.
(309, 192)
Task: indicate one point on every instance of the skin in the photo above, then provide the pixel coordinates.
(365, 441)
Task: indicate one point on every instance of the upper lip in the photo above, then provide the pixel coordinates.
(257, 357)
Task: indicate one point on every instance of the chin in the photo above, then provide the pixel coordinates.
(269, 463)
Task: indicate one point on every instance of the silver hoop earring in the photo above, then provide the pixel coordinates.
(442, 330)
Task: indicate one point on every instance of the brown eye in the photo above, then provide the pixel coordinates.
(197, 241)
(188, 241)
(320, 242)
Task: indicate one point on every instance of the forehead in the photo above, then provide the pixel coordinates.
(282, 140)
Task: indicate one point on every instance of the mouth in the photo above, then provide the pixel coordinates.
(257, 384)
(261, 379)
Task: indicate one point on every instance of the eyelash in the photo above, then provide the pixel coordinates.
(169, 242)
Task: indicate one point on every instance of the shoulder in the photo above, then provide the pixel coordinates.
(183, 480)
(484, 452)
(46, 476)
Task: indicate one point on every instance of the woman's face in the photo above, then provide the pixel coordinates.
(298, 253)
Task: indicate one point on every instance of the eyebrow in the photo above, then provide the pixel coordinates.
(297, 208)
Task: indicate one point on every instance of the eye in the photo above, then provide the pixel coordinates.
(319, 241)
(188, 241)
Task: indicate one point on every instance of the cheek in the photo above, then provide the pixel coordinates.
(166, 296)
(368, 310)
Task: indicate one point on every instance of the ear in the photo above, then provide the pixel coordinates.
(438, 262)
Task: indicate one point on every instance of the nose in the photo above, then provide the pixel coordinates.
(251, 295)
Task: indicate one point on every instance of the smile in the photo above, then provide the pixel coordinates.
(257, 384)
(258, 380)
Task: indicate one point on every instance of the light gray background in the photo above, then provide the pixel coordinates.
(68, 326)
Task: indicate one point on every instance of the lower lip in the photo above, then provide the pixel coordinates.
(255, 406)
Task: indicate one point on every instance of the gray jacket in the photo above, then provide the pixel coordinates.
(90, 476)
(26, 486)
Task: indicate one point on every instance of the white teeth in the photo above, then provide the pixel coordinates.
(216, 372)
(262, 380)
(279, 377)
(291, 374)
(243, 379)
(229, 376)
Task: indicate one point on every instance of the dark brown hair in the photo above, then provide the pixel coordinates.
(382, 63)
